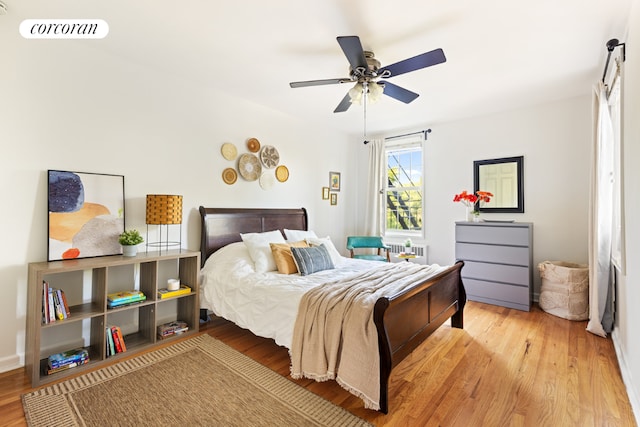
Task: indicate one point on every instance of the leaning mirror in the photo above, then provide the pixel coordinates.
(503, 178)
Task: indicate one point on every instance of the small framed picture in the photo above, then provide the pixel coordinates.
(334, 199)
(334, 181)
(325, 193)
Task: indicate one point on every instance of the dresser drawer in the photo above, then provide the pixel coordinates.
(489, 253)
(496, 293)
(493, 235)
(512, 274)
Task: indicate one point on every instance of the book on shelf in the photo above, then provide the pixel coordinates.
(57, 302)
(118, 339)
(68, 366)
(125, 296)
(52, 311)
(114, 341)
(119, 299)
(45, 302)
(67, 357)
(65, 304)
(125, 303)
(172, 328)
(166, 293)
(111, 348)
(118, 332)
(54, 304)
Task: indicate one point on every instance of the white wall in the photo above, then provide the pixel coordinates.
(555, 142)
(66, 105)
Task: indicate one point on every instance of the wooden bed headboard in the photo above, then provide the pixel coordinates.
(222, 226)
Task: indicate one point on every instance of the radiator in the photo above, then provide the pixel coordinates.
(420, 250)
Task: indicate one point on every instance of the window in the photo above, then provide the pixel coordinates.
(404, 187)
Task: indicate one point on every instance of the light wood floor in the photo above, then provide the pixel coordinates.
(506, 368)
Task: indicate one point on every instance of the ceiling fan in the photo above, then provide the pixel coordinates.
(365, 71)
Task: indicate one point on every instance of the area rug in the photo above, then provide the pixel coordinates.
(197, 382)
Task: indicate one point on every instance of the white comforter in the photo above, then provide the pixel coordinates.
(264, 303)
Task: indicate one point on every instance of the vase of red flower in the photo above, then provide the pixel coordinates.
(470, 200)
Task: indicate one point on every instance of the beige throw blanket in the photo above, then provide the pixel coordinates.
(334, 336)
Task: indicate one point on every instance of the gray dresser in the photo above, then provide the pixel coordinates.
(498, 262)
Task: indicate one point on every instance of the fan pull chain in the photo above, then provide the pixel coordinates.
(365, 89)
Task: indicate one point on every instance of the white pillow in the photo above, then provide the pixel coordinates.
(259, 249)
(297, 235)
(233, 257)
(333, 252)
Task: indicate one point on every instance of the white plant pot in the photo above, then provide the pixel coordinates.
(131, 250)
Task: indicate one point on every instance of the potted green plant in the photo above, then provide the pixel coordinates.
(129, 239)
(407, 246)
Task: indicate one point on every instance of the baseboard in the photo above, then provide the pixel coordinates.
(626, 376)
(10, 363)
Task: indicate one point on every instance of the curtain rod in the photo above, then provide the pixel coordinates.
(612, 44)
(424, 132)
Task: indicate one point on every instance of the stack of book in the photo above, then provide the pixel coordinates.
(67, 360)
(54, 304)
(118, 299)
(115, 341)
(172, 328)
(407, 255)
(166, 293)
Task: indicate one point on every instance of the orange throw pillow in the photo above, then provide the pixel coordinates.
(283, 256)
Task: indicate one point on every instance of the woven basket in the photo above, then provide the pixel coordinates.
(164, 209)
(564, 290)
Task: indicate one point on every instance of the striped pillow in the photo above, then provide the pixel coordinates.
(283, 256)
(311, 260)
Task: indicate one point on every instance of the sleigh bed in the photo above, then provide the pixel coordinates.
(402, 320)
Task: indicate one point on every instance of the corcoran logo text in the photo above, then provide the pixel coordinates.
(64, 29)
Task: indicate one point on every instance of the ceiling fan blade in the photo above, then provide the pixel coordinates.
(319, 82)
(344, 104)
(352, 49)
(417, 62)
(399, 93)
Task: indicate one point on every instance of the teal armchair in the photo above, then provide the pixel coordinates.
(368, 242)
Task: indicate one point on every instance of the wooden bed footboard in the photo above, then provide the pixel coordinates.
(405, 320)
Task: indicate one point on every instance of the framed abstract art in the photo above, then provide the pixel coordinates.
(85, 214)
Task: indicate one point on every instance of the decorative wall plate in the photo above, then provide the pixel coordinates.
(269, 156)
(229, 175)
(253, 145)
(229, 151)
(282, 173)
(249, 167)
(267, 180)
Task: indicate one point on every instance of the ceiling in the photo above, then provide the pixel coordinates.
(501, 54)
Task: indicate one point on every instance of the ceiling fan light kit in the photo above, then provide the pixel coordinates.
(371, 91)
(365, 71)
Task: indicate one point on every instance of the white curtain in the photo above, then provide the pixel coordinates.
(601, 218)
(374, 209)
